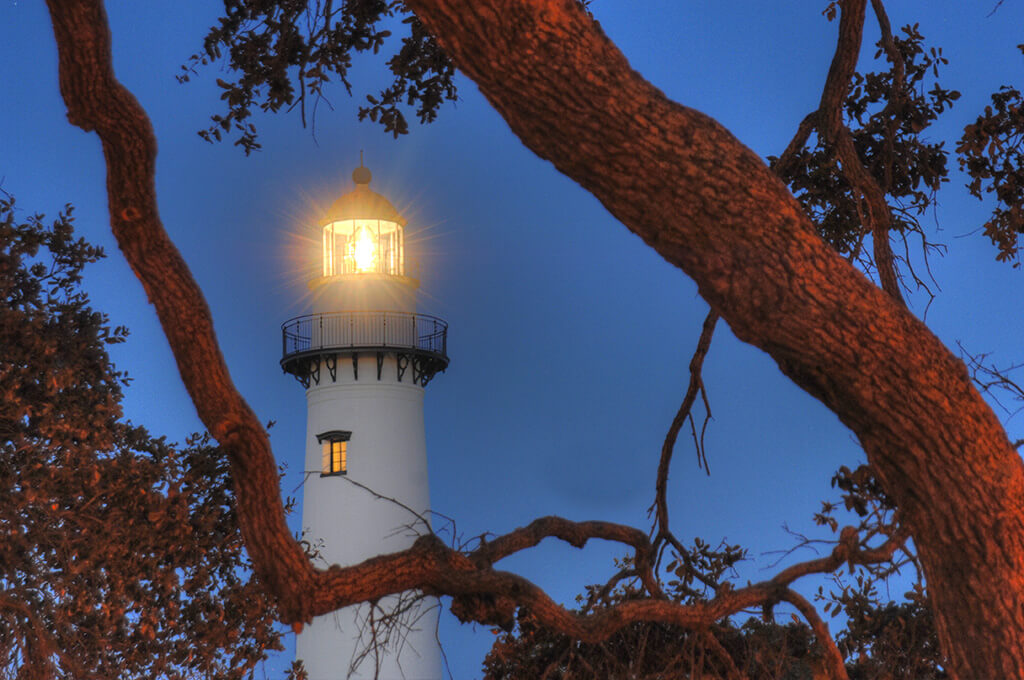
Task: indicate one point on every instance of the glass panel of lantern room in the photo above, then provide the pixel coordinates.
(363, 252)
(341, 245)
(379, 263)
(328, 250)
(396, 256)
(378, 260)
(387, 253)
(396, 253)
(334, 249)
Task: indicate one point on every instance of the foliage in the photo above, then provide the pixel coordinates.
(120, 555)
(888, 639)
(887, 113)
(882, 638)
(761, 651)
(284, 53)
(992, 155)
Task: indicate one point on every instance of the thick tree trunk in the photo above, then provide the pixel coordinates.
(711, 207)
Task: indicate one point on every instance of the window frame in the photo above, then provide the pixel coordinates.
(327, 441)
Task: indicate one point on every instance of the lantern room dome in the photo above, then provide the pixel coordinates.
(362, 203)
(363, 233)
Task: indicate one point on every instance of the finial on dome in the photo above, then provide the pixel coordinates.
(361, 175)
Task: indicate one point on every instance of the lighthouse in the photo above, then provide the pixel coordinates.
(364, 356)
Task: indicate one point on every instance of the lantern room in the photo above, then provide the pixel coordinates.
(363, 233)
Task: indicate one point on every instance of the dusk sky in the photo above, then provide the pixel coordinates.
(569, 338)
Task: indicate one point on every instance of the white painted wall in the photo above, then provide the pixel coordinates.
(387, 453)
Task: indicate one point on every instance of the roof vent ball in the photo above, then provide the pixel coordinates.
(361, 175)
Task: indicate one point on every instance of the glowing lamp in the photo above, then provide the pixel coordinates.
(363, 233)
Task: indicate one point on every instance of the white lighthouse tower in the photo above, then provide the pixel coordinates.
(365, 356)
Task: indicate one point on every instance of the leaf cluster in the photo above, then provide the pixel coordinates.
(282, 54)
(990, 152)
(863, 495)
(760, 650)
(690, 576)
(120, 555)
(884, 639)
(887, 112)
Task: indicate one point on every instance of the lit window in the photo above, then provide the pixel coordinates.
(363, 247)
(333, 452)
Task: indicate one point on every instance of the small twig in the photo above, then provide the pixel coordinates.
(781, 166)
(419, 517)
(695, 386)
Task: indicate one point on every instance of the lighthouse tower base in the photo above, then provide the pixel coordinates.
(371, 500)
(368, 644)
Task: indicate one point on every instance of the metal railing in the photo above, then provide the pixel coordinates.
(364, 331)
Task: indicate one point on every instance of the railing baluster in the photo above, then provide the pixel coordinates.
(357, 330)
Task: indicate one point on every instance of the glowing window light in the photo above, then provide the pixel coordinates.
(339, 457)
(334, 452)
(362, 249)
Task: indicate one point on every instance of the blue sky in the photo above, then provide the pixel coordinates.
(569, 338)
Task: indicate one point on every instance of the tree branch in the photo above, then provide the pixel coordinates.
(833, 659)
(709, 205)
(96, 101)
(40, 646)
(875, 210)
(783, 163)
(661, 531)
(695, 386)
(721, 654)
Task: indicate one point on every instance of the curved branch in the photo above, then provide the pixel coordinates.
(695, 386)
(96, 101)
(575, 534)
(489, 596)
(875, 210)
(709, 205)
(782, 165)
(662, 533)
(833, 659)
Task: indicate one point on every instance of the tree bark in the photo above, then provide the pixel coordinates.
(711, 207)
(97, 102)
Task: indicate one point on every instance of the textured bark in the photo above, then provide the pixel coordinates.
(96, 101)
(710, 206)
